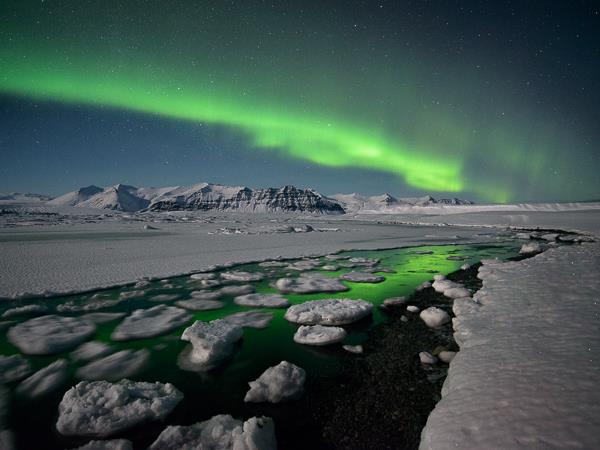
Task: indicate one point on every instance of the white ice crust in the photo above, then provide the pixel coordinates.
(221, 432)
(319, 335)
(262, 300)
(50, 334)
(282, 382)
(331, 311)
(100, 408)
(145, 323)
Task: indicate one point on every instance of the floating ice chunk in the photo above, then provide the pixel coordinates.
(13, 368)
(412, 309)
(331, 311)
(442, 285)
(446, 356)
(128, 295)
(250, 319)
(197, 304)
(242, 276)
(530, 248)
(319, 335)
(141, 284)
(91, 350)
(427, 358)
(45, 380)
(550, 237)
(304, 265)
(434, 317)
(164, 298)
(335, 257)
(100, 408)
(422, 252)
(87, 305)
(310, 283)
(50, 334)
(465, 266)
(103, 317)
(237, 290)
(264, 300)
(273, 264)
(457, 258)
(439, 277)
(364, 261)
(330, 268)
(203, 276)
(206, 295)
(284, 381)
(362, 277)
(394, 301)
(423, 285)
(211, 343)
(220, 432)
(27, 309)
(113, 444)
(145, 323)
(123, 364)
(356, 349)
(457, 292)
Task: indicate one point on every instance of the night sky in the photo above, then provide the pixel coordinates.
(487, 100)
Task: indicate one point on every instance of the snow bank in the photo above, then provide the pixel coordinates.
(100, 408)
(123, 364)
(45, 380)
(526, 375)
(211, 343)
(145, 323)
(282, 382)
(309, 284)
(262, 300)
(221, 432)
(331, 311)
(319, 335)
(50, 334)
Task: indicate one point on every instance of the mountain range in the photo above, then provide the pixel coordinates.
(209, 197)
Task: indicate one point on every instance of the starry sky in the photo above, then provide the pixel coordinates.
(494, 101)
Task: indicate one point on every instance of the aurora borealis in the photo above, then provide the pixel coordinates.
(494, 102)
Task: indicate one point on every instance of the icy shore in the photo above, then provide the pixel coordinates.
(526, 374)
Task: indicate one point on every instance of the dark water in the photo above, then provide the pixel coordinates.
(222, 390)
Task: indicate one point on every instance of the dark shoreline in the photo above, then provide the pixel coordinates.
(385, 395)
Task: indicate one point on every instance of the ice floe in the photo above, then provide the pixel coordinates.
(530, 248)
(100, 408)
(356, 349)
(434, 317)
(27, 309)
(394, 301)
(331, 311)
(87, 305)
(304, 265)
(128, 295)
(412, 309)
(427, 358)
(423, 285)
(282, 382)
(45, 380)
(103, 317)
(319, 335)
(91, 350)
(221, 432)
(310, 283)
(203, 276)
(206, 295)
(446, 356)
(145, 323)
(50, 334)
(197, 304)
(13, 368)
(362, 277)
(250, 319)
(211, 343)
(112, 444)
(123, 364)
(163, 297)
(273, 264)
(242, 276)
(262, 300)
(237, 290)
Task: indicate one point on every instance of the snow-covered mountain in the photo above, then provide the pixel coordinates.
(17, 197)
(203, 197)
(76, 197)
(386, 203)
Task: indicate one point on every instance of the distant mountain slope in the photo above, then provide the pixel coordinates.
(17, 197)
(386, 203)
(203, 197)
